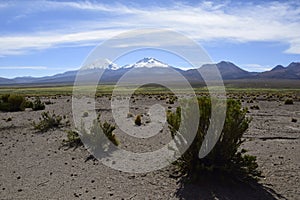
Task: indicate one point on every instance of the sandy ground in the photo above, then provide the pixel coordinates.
(34, 166)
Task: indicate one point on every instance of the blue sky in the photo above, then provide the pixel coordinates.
(39, 38)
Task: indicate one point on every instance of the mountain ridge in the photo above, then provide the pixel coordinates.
(151, 66)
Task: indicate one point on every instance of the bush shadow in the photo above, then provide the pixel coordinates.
(213, 186)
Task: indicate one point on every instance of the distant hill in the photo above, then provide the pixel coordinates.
(5, 81)
(292, 71)
(228, 71)
(151, 69)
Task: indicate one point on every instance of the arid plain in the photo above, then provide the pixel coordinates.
(36, 165)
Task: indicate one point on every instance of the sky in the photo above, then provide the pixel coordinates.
(39, 38)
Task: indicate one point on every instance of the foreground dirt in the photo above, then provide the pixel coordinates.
(35, 166)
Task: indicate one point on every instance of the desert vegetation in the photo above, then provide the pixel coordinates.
(271, 138)
(73, 139)
(48, 121)
(37, 104)
(15, 102)
(288, 101)
(12, 102)
(96, 136)
(226, 157)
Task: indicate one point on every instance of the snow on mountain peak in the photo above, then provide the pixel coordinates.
(102, 64)
(147, 62)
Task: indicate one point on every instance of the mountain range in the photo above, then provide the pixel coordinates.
(151, 67)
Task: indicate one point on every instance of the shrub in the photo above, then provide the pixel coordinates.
(38, 105)
(73, 139)
(16, 102)
(108, 132)
(95, 139)
(174, 120)
(138, 120)
(48, 122)
(226, 155)
(5, 106)
(28, 104)
(5, 97)
(12, 102)
(288, 102)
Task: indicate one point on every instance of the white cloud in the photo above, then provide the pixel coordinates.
(24, 67)
(294, 46)
(12, 45)
(256, 67)
(274, 21)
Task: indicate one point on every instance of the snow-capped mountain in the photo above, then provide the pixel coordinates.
(152, 69)
(147, 62)
(101, 64)
(107, 64)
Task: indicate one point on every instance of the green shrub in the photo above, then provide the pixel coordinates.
(108, 132)
(4, 97)
(16, 102)
(174, 120)
(95, 139)
(73, 139)
(48, 122)
(5, 106)
(288, 102)
(38, 105)
(28, 104)
(226, 155)
(138, 120)
(12, 102)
